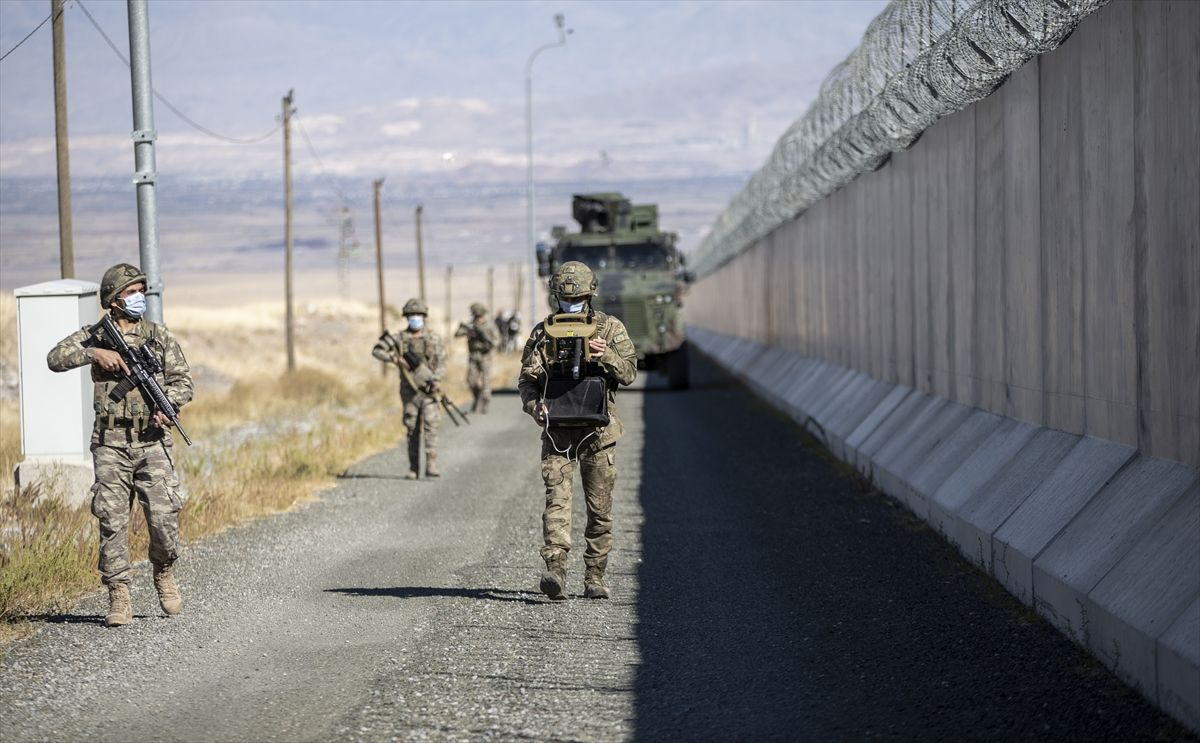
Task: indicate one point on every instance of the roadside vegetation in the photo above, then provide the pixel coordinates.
(265, 441)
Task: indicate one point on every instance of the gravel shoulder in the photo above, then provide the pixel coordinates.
(759, 593)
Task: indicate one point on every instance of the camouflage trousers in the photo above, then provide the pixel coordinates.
(479, 379)
(147, 474)
(598, 470)
(424, 409)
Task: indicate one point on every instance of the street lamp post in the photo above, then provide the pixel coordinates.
(562, 40)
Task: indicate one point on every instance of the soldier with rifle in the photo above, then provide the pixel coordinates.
(482, 339)
(141, 379)
(421, 356)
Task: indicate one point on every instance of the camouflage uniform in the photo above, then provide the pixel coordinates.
(418, 404)
(593, 448)
(482, 339)
(131, 455)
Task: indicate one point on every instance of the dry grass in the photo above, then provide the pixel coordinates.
(265, 439)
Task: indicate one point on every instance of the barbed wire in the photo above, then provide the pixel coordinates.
(918, 60)
(167, 103)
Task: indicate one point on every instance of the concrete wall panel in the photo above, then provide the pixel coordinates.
(982, 514)
(1022, 264)
(1057, 499)
(1061, 124)
(985, 464)
(1146, 593)
(1168, 181)
(987, 333)
(1103, 533)
(1179, 667)
(1107, 219)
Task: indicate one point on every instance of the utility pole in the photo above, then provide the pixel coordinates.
(491, 289)
(532, 235)
(420, 253)
(287, 230)
(521, 292)
(145, 171)
(66, 245)
(449, 306)
(378, 184)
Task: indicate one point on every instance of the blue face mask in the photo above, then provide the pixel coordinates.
(416, 322)
(135, 305)
(575, 307)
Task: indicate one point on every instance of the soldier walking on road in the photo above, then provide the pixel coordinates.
(592, 446)
(482, 339)
(420, 352)
(131, 443)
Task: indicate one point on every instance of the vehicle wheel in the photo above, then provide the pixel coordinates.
(678, 369)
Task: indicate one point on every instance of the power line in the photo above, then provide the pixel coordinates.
(320, 163)
(167, 103)
(31, 33)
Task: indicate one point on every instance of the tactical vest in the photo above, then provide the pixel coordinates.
(422, 345)
(133, 410)
(477, 341)
(576, 393)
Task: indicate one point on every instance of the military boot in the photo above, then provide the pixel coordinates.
(120, 610)
(414, 458)
(594, 586)
(554, 579)
(431, 468)
(169, 597)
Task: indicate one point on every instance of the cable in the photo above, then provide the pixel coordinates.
(320, 163)
(34, 31)
(167, 103)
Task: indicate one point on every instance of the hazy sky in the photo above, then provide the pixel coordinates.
(434, 89)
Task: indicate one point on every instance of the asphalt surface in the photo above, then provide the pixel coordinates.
(759, 592)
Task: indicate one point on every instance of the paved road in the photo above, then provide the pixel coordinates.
(758, 593)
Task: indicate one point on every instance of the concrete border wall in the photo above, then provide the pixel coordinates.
(1101, 540)
(1001, 328)
(1036, 255)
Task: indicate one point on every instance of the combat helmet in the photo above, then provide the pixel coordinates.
(415, 306)
(573, 279)
(478, 310)
(116, 279)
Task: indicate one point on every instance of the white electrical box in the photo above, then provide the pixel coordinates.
(56, 407)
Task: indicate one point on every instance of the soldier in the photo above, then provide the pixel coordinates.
(482, 339)
(571, 288)
(131, 446)
(426, 362)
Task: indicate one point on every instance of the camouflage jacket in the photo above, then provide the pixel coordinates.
(134, 409)
(482, 336)
(426, 344)
(619, 361)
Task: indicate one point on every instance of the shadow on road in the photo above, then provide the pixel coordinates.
(68, 618)
(57, 619)
(780, 600)
(715, 625)
(417, 592)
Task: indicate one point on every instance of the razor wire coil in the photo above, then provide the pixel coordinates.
(918, 61)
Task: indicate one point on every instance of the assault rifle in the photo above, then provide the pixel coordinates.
(408, 361)
(143, 365)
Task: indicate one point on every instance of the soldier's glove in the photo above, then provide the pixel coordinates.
(425, 378)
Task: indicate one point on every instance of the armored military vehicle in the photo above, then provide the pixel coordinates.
(640, 272)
